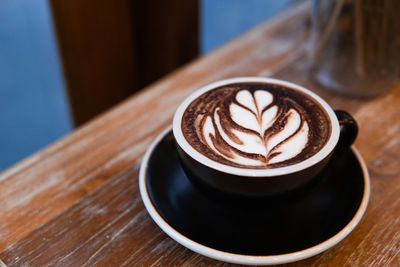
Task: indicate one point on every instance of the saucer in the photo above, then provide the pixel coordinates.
(258, 231)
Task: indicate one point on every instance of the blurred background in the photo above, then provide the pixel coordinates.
(64, 62)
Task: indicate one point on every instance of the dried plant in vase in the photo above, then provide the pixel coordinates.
(353, 46)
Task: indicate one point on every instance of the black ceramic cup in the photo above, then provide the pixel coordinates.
(261, 182)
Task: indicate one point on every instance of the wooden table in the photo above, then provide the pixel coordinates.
(76, 202)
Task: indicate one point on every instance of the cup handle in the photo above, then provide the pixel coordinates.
(348, 129)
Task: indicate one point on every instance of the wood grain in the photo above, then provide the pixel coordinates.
(76, 202)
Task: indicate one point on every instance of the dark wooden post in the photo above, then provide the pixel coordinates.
(111, 49)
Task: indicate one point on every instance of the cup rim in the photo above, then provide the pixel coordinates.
(254, 172)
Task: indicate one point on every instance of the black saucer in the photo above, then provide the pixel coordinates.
(314, 215)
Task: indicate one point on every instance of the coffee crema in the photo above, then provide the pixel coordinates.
(256, 125)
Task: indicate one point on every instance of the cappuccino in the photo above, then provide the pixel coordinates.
(256, 125)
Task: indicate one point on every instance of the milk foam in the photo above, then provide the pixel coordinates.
(254, 116)
(255, 125)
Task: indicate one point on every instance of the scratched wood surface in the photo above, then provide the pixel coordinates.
(76, 202)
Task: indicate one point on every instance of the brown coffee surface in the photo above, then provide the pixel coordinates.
(256, 125)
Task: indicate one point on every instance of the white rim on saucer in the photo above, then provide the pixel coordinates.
(249, 259)
(320, 155)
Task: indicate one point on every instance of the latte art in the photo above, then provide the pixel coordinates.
(255, 125)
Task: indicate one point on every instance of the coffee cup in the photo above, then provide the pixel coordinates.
(257, 137)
